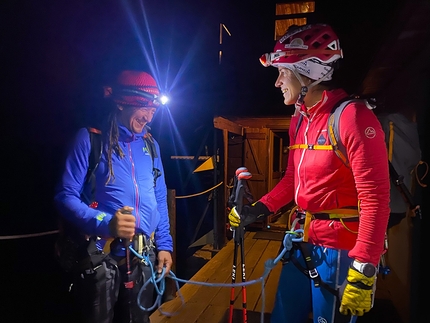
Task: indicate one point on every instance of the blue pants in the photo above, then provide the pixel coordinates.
(297, 296)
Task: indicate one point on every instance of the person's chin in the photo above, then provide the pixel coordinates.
(138, 129)
(289, 102)
(138, 126)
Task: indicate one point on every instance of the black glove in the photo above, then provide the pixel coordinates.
(249, 214)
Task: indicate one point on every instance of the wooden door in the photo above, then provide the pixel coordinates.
(256, 158)
(275, 161)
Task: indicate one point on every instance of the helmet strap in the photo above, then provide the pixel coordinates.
(305, 88)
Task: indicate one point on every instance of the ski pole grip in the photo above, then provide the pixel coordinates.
(125, 241)
(240, 190)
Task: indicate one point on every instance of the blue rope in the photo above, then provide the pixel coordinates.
(158, 279)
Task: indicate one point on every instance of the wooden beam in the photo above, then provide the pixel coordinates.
(271, 123)
(190, 157)
(224, 124)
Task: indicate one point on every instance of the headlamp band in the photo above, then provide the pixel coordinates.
(133, 92)
(267, 59)
(146, 95)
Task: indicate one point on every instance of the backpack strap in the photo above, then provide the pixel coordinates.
(93, 162)
(150, 145)
(307, 146)
(96, 151)
(74, 248)
(333, 132)
(333, 129)
(299, 122)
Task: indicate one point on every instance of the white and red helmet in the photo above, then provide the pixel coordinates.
(310, 50)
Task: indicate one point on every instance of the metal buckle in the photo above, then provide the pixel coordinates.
(141, 243)
(313, 273)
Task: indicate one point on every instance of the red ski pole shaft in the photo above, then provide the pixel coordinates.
(233, 280)
(242, 255)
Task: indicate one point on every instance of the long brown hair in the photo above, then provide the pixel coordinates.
(112, 142)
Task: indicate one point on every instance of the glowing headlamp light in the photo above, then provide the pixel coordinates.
(155, 99)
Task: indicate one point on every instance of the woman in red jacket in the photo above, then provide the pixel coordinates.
(343, 208)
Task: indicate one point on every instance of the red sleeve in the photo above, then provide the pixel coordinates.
(364, 140)
(283, 192)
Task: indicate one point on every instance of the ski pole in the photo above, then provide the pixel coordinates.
(128, 284)
(242, 182)
(238, 237)
(232, 201)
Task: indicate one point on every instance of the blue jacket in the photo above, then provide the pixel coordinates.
(133, 186)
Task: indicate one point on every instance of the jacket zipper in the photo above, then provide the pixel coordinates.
(136, 189)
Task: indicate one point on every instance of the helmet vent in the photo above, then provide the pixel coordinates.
(316, 44)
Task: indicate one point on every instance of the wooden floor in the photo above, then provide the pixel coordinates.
(210, 304)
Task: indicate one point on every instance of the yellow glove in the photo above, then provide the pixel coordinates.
(234, 218)
(357, 297)
(250, 214)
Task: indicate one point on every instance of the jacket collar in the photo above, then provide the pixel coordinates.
(328, 100)
(128, 136)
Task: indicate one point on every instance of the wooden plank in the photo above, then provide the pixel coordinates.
(188, 290)
(188, 314)
(254, 291)
(215, 271)
(271, 284)
(210, 304)
(210, 295)
(251, 259)
(213, 314)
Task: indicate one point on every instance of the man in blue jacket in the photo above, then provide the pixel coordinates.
(125, 204)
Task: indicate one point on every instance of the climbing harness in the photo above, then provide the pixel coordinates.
(343, 215)
(301, 222)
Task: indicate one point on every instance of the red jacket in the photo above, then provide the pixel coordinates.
(318, 180)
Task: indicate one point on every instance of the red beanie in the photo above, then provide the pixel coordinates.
(135, 88)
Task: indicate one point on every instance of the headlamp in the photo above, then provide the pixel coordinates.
(151, 97)
(268, 58)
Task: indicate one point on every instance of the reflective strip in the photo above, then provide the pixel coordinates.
(341, 213)
(308, 220)
(311, 147)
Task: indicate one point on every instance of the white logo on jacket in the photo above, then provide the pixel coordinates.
(370, 132)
